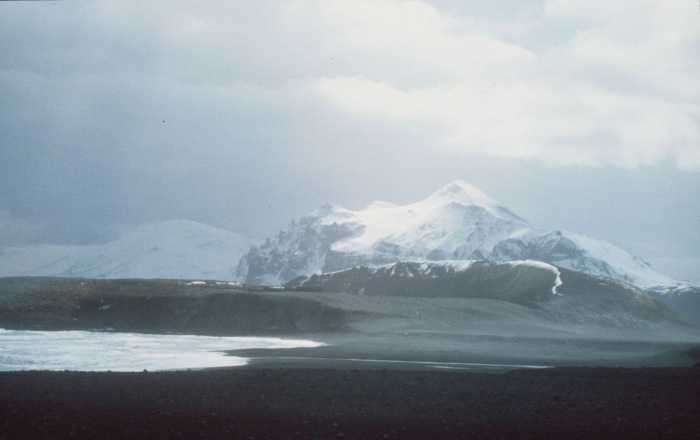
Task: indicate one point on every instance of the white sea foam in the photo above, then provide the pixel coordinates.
(100, 351)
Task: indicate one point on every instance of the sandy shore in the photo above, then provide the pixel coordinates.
(260, 402)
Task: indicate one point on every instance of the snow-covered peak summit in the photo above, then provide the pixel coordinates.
(462, 192)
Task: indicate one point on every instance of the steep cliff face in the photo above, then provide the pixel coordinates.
(301, 248)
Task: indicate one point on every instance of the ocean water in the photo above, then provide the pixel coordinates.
(102, 351)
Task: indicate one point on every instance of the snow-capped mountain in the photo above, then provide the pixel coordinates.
(458, 222)
(172, 249)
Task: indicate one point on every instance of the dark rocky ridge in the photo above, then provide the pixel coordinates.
(580, 298)
(519, 284)
(159, 306)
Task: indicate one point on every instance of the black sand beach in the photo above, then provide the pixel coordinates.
(260, 402)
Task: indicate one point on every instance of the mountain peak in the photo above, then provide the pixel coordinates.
(464, 193)
(463, 189)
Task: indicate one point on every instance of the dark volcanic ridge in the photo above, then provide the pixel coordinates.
(567, 295)
(160, 306)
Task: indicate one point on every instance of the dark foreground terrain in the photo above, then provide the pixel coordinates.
(371, 380)
(258, 402)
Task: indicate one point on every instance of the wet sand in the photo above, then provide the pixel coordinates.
(280, 402)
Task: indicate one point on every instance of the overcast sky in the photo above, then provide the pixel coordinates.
(581, 115)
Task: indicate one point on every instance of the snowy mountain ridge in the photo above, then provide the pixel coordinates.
(179, 249)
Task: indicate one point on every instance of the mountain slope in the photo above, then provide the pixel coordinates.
(580, 253)
(171, 249)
